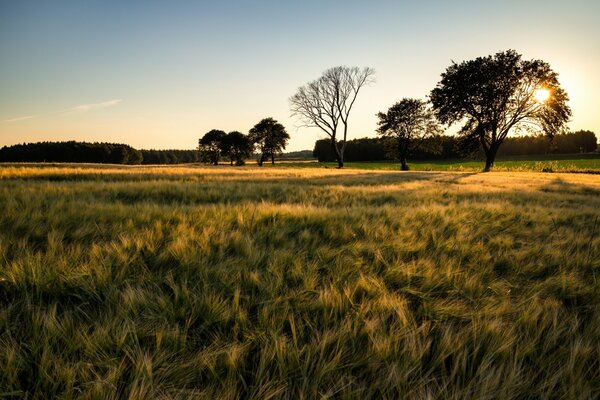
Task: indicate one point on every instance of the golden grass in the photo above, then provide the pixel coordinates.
(196, 282)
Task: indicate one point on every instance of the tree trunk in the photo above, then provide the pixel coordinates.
(338, 155)
(490, 156)
(402, 151)
(404, 165)
(261, 159)
(273, 159)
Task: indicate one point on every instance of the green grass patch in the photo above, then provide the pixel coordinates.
(578, 163)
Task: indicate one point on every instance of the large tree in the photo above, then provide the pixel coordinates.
(210, 146)
(237, 147)
(269, 138)
(408, 124)
(326, 103)
(500, 94)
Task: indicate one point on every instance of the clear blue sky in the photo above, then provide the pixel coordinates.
(159, 74)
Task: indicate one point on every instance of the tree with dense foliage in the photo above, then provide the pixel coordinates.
(269, 138)
(408, 123)
(500, 94)
(210, 146)
(326, 103)
(237, 147)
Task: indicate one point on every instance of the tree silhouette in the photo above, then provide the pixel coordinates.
(499, 94)
(326, 102)
(210, 146)
(270, 138)
(237, 147)
(408, 124)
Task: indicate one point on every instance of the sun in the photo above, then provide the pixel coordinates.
(541, 95)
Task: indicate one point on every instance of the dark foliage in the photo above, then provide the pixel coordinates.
(269, 138)
(365, 149)
(575, 142)
(237, 147)
(211, 145)
(452, 147)
(297, 155)
(496, 95)
(170, 156)
(76, 152)
(407, 126)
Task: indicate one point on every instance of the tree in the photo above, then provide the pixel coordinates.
(499, 94)
(326, 102)
(270, 138)
(237, 147)
(210, 146)
(408, 124)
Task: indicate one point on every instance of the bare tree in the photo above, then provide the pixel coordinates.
(326, 102)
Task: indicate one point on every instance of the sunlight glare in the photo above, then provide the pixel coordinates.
(541, 95)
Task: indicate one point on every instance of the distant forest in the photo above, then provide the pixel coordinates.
(451, 147)
(366, 149)
(103, 153)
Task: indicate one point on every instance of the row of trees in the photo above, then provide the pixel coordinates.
(490, 96)
(78, 152)
(451, 147)
(104, 153)
(170, 156)
(268, 138)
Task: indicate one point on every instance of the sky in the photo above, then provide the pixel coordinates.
(160, 74)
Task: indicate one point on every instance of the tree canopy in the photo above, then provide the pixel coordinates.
(269, 138)
(210, 146)
(500, 94)
(326, 103)
(237, 147)
(408, 123)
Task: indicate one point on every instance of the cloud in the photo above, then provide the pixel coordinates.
(94, 106)
(20, 118)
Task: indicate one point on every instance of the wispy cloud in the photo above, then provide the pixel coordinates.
(77, 109)
(94, 106)
(20, 118)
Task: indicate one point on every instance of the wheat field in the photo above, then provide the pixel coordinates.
(193, 282)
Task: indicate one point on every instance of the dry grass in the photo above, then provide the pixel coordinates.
(191, 282)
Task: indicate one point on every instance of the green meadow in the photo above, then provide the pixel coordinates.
(568, 163)
(191, 282)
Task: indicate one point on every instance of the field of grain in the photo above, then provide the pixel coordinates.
(297, 283)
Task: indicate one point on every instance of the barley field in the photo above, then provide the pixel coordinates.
(191, 282)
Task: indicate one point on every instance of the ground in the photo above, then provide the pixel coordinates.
(206, 282)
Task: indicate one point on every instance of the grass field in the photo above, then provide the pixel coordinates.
(569, 163)
(297, 283)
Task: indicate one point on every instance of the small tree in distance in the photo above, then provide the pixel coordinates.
(408, 124)
(237, 147)
(270, 138)
(499, 94)
(326, 102)
(210, 146)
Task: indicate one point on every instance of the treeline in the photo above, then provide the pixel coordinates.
(102, 153)
(574, 142)
(170, 156)
(75, 152)
(449, 147)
